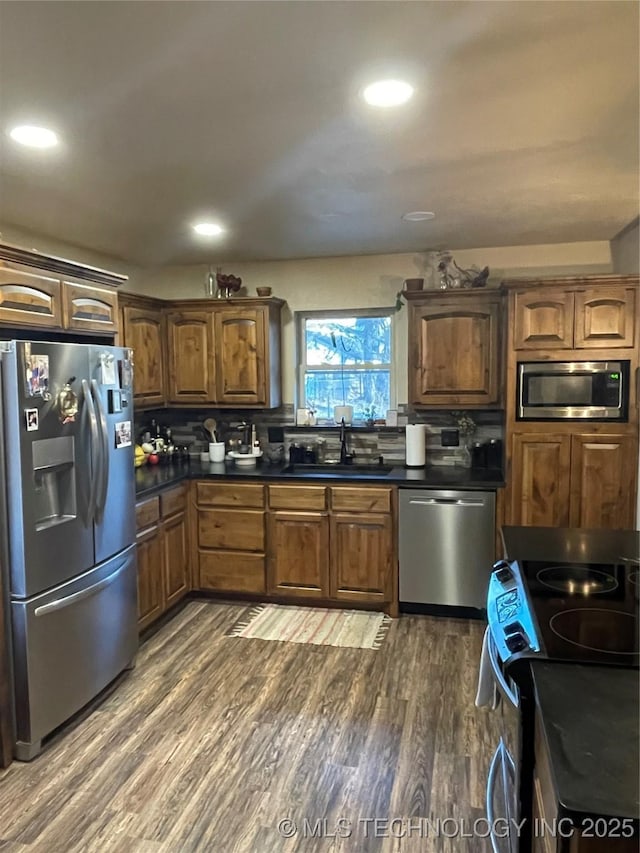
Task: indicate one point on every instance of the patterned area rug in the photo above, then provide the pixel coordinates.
(356, 629)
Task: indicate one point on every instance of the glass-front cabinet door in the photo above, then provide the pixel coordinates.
(89, 308)
(28, 298)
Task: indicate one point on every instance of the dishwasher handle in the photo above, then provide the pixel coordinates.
(449, 501)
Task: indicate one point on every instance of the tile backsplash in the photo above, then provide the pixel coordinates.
(368, 444)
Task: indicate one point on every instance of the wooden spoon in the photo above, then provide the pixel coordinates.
(210, 425)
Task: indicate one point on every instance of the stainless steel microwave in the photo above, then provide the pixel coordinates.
(577, 390)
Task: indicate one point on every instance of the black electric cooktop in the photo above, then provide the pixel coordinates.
(585, 611)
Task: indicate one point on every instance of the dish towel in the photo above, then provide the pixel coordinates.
(487, 693)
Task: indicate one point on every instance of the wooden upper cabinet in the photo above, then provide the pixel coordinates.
(603, 473)
(191, 362)
(225, 353)
(85, 307)
(240, 356)
(574, 313)
(539, 484)
(543, 319)
(39, 291)
(28, 298)
(605, 317)
(453, 350)
(143, 333)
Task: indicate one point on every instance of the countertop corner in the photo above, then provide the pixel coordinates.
(591, 722)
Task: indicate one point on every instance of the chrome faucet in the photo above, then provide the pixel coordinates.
(345, 456)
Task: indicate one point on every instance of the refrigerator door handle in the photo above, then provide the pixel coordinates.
(94, 448)
(68, 600)
(103, 478)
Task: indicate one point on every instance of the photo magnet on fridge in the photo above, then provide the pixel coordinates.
(31, 418)
(123, 434)
(37, 375)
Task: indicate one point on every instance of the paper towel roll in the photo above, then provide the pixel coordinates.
(415, 454)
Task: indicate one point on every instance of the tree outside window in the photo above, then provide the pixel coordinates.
(345, 360)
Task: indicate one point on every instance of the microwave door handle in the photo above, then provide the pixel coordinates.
(94, 449)
(104, 463)
(505, 689)
(520, 391)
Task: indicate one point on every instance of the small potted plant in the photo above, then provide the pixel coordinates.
(370, 415)
(467, 428)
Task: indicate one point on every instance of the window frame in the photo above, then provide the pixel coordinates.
(337, 314)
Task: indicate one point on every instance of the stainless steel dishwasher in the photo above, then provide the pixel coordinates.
(446, 547)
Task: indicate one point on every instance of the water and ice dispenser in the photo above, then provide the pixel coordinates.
(54, 480)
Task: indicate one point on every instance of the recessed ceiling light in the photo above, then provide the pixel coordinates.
(418, 215)
(208, 229)
(387, 93)
(33, 136)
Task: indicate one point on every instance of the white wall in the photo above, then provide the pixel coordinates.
(625, 249)
(369, 281)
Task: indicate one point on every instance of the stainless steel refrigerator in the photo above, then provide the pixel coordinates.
(67, 527)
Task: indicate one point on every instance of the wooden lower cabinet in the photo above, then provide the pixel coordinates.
(539, 488)
(151, 596)
(231, 529)
(176, 558)
(603, 474)
(299, 554)
(361, 555)
(230, 537)
(303, 542)
(232, 571)
(342, 552)
(572, 480)
(163, 554)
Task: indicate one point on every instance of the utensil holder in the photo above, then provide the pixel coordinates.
(216, 451)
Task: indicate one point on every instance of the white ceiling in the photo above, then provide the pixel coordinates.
(524, 127)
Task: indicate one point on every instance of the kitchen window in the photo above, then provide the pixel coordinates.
(345, 358)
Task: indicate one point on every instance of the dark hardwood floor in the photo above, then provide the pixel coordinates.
(212, 741)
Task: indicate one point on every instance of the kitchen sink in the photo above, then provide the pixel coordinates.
(328, 468)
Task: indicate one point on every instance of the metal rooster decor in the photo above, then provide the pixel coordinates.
(453, 276)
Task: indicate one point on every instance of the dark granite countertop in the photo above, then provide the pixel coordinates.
(591, 722)
(154, 478)
(570, 544)
(150, 479)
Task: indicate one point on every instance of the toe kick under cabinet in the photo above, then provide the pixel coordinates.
(306, 542)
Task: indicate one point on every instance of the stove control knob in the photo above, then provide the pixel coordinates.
(516, 643)
(502, 570)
